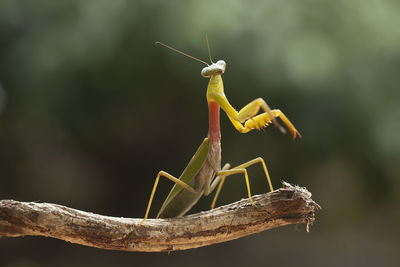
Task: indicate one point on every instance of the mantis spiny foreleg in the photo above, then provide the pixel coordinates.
(264, 119)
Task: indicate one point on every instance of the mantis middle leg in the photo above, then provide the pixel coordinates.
(173, 179)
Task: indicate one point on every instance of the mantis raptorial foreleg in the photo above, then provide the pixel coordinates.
(247, 115)
(173, 179)
(223, 174)
(264, 119)
(251, 109)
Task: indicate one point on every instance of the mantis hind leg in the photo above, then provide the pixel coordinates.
(240, 169)
(173, 179)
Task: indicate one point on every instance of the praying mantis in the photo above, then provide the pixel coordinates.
(203, 172)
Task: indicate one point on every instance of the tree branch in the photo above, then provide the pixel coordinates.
(287, 205)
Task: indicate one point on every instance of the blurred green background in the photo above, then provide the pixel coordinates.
(91, 110)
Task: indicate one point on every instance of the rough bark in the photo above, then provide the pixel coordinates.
(287, 205)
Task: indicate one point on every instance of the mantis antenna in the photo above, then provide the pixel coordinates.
(182, 53)
(208, 47)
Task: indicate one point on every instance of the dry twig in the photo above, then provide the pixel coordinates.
(287, 205)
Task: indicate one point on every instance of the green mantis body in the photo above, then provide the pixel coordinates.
(204, 173)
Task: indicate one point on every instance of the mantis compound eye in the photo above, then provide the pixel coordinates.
(221, 64)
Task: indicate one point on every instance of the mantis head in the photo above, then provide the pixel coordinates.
(214, 69)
